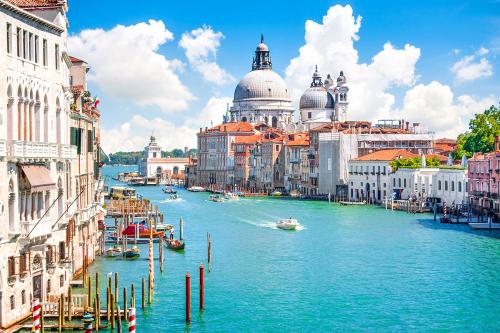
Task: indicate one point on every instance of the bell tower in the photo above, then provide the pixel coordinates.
(152, 150)
(341, 100)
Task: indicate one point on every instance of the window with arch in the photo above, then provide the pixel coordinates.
(452, 185)
(459, 186)
(439, 185)
(12, 302)
(23, 297)
(446, 185)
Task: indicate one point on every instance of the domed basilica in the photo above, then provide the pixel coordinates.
(262, 96)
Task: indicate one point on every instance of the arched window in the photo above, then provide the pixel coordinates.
(274, 122)
(439, 185)
(176, 170)
(159, 170)
(446, 185)
(45, 119)
(244, 119)
(459, 186)
(452, 185)
(58, 121)
(10, 114)
(12, 205)
(31, 105)
(38, 121)
(20, 112)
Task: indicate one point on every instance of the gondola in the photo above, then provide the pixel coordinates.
(175, 244)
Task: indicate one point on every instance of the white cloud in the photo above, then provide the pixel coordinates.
(212, 113)
(435, 106)
(468, 68)
(330, 45)
(126, 64)
(134, 133)
(201, 47)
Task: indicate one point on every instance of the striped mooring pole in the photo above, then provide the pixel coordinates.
(87, 322)
(131, 320)
(36, 316)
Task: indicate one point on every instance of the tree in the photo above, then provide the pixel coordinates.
(483, 128)
(414, 163)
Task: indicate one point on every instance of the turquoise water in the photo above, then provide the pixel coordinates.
(351, 269)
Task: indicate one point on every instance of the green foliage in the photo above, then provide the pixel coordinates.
(414, 163)
(483, 128)
(133, 157)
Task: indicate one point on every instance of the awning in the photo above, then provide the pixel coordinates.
(38, 177)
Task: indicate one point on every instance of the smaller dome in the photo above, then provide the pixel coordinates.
(262, 47)
(317, 98)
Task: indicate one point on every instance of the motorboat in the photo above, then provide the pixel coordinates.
(163, 227)
(196, 189)
(131, 253)
(114, 251)
(135, 181)
(287, 224)
(215, 198)
(485, 225)
(295, 194)
(231, 196)
(173, 196)
(169, 190)
(275, 193)
(142, 232)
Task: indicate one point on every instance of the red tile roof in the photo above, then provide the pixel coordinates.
(387, 155)
(298, 139)
(447, 141)
(441, 158)
(37, 3)
(232, 127)
(247, 139)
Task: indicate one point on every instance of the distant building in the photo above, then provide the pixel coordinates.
(369, 175)
(162, 168)
(484, 181)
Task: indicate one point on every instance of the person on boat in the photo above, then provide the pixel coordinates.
(172, 233)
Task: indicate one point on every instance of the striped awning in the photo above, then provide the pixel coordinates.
(39, 178)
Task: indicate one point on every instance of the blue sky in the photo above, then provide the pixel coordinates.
(445, 32)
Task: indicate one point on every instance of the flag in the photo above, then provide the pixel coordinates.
(96, 101)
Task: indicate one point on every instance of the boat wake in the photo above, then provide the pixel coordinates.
(268, 224)
(171, 200)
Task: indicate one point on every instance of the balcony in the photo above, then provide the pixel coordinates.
(36, 150)
(44, 228)
(294, 160)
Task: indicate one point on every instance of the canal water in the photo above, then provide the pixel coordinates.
(350, 269)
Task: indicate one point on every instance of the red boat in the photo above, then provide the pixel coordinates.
(143, 232)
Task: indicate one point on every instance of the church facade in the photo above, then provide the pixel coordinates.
(162, 168)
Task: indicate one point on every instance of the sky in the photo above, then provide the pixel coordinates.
(170, 67)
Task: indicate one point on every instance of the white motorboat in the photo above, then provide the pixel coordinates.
(196, 189)
(287, 224)
(276, 193)
(484, 225)
(231, 196)
(215, 198)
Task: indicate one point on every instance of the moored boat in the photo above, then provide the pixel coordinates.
(287, 224)
(134, 252)
(130, 231)
(275, 193)
(485, 225)
(163, 227)
(114, 251)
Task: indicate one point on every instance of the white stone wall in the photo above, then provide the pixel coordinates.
(369, 176)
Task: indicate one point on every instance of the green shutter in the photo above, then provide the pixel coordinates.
(90, 141)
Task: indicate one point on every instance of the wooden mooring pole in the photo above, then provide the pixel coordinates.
(143, 294)
(188, 298)
(202, 288)
(70, 303)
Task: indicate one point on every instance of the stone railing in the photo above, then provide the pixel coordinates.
(27, 149)
(43, 228)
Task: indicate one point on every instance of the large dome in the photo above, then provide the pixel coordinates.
(263, 85)
(317, 98)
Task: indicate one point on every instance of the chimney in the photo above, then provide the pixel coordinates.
(497, 142)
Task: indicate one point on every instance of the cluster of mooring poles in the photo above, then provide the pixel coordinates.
(88, 307)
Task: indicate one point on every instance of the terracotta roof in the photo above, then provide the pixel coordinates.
(232, 127)
(387, 155)
(445, 147)
(37, 3)
(247, 139)
(298, 139)
(447, 141)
